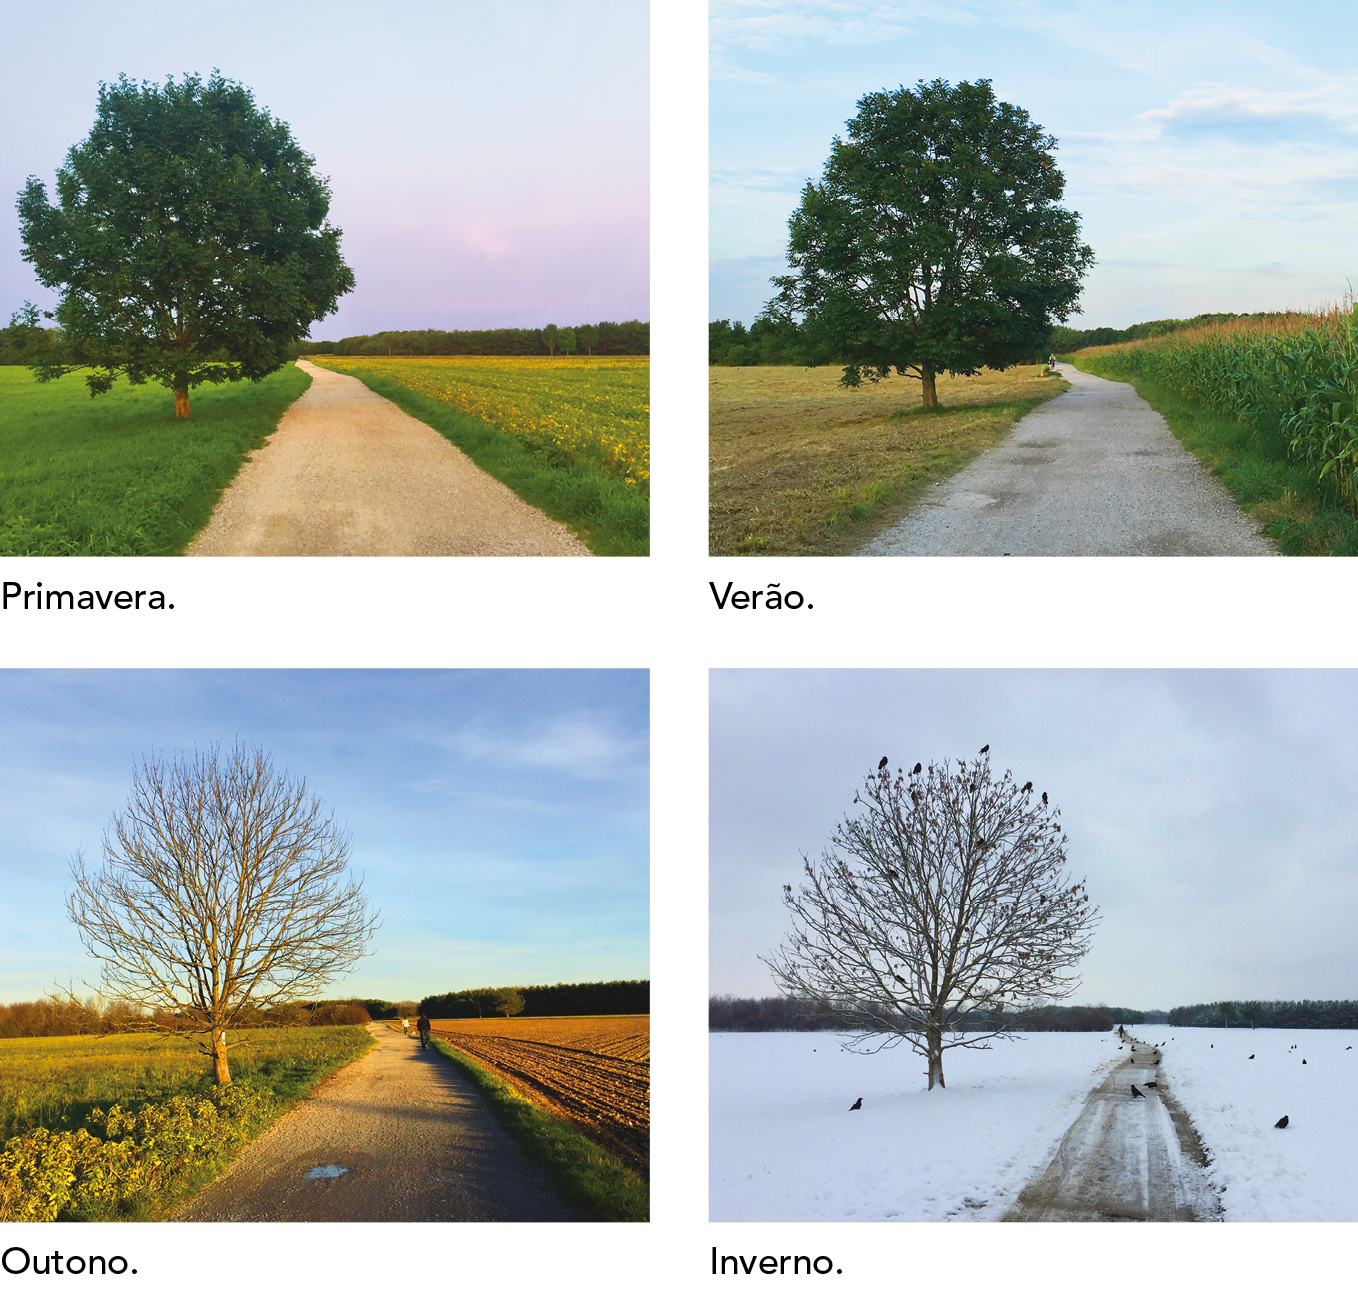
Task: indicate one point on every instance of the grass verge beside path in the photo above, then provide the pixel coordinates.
(610, 517)
(1303, 514)
(118, 474)
(802, 466)
(139, 1126)
(584, 1173)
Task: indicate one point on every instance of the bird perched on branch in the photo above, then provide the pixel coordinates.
(857, 1105)
(985, 749)
(1282, 1123)
(881, 765)
(1137, 1092)
(1044, 798)
(1028, 787)
(919, 765)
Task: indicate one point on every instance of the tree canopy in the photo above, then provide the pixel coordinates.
(942, 905)
(934, 240)
(189, 240)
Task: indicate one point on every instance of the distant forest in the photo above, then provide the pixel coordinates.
(68, 1017)
(768, 343)
(754, 1015)
(603, 339)
(599, 998)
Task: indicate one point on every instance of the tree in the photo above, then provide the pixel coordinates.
(224, 890)
(508, 1001)
(587, 335)
(944, 903)
(934, 241)
(189, 240)
(566, 338)
(549, 337)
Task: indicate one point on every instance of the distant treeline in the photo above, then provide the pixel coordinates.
(752, 1015)
(1065, 340)
(67, 1017)
(1307, 1014)
(600, 998)
(601, 338)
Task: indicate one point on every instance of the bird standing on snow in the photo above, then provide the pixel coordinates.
(1282, 1123)
(1137, 1092)
(857, 1105)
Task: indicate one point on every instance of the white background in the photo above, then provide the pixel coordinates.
(659, 614)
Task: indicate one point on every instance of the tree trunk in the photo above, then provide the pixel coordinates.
(926, 376)
(934, 1038)
(221, 1071)
(181, 402)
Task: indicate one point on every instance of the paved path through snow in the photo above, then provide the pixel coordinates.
(398, 1136)
(347, 472)
(1094, 471)
(1125, 1159)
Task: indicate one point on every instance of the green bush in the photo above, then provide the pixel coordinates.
(46, 1176)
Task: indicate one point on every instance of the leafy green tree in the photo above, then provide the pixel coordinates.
(567, 340)
(549, 337)
(934, 241)
(508, 1001)
(588, 336)
(189, 240)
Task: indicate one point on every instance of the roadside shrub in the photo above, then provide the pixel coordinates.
(45, 1176)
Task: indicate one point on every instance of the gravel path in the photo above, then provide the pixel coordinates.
(1094, 471)
(1125, 1159)
(348, 473)
(413, 1137)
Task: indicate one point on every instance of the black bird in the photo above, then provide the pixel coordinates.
(1282, 1123)
(1349, 1048)
(919, 765)
(1152, 1085)
(1251, 1056)
(1028, 787)
(1303, 1060)
(857, 1105)
(881, 765)
(1137, 1092)
(985, 749)
(1044, 798)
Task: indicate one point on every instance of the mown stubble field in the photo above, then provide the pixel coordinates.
(593, 1070)
(802, 466)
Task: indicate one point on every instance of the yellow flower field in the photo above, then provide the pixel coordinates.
(592, 408)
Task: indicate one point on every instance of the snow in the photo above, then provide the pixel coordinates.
(1306, 1172)
(785, 1147)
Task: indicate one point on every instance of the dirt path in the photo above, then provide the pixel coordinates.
(348, 473)
(1092, 472)
(415, 1143)
(1125, 1159)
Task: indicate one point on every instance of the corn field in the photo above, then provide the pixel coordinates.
(1295, 374)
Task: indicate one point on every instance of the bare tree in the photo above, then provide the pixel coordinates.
(942, 906)
(224, 890)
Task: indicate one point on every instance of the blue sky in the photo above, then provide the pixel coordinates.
(499, 818)
(1212, 812)
(489, 163)
(1211, 148)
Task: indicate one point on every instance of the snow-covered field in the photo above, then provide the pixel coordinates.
(786, 1148)
(1306, 1172)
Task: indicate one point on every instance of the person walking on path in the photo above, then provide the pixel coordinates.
(423, 1026)
(405, 1026)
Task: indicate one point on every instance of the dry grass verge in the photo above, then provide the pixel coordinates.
(802, 466)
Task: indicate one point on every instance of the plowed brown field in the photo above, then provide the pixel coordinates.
(593, 1070)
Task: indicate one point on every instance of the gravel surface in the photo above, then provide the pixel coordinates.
(415, 1143)
(1092, 472)
(347, 472)
(1125, 1159)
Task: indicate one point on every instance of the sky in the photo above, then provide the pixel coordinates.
(489, 164)
(1211, 149)
(1212, 812)
(499, 819)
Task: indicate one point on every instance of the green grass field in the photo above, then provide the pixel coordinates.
(118, 474)
(569, 436)
(55, 1082)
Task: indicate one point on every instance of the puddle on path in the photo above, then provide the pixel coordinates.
(326, 1170)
